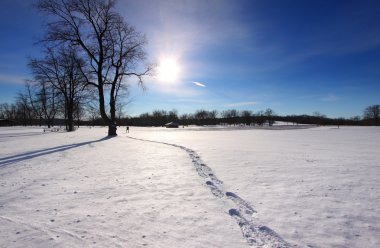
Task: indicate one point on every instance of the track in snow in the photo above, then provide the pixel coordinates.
(256, 235)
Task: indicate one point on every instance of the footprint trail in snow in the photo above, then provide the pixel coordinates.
(255, 234)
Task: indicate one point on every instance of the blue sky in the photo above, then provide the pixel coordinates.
(296, 57)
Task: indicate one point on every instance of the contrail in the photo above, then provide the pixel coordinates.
(198, 84)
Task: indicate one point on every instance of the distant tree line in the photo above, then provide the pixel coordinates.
(201, 117)
(41, 105)
(371, 115)
(247, 118)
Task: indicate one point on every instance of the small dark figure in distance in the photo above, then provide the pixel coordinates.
(127, 130)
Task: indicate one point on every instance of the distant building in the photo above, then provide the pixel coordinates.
(172, 125)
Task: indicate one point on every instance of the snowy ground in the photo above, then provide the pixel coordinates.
(192, 187)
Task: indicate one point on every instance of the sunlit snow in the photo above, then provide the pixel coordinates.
(190, 187)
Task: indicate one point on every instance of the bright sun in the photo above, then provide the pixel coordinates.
(168, 70)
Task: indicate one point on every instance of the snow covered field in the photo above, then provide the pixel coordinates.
(191, 187)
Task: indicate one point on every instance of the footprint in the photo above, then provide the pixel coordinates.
(214, 189)
(256, 235)
(243, 205)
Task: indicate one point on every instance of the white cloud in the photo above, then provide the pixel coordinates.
(239, 104)
(12, 79)
(329, 98)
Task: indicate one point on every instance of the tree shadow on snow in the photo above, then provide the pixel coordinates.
(33, 154)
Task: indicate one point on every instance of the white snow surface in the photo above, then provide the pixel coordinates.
(192, 187)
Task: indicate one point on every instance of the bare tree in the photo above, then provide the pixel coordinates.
(213, 114)
(231, 116)
(92, 110)
(47, 100)
(25, 109)
(259, 118)
(120, 108)
(79, 112)
(319, 118)
(372, 113)
(62, 69)
(34, 103)
(43, 100)
(185, 119)
(173, 115)
(2, 110)
(112, 48)
(269, 114)
(8, 111)
(246, 117)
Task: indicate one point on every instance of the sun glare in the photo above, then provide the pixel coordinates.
(168, 70)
